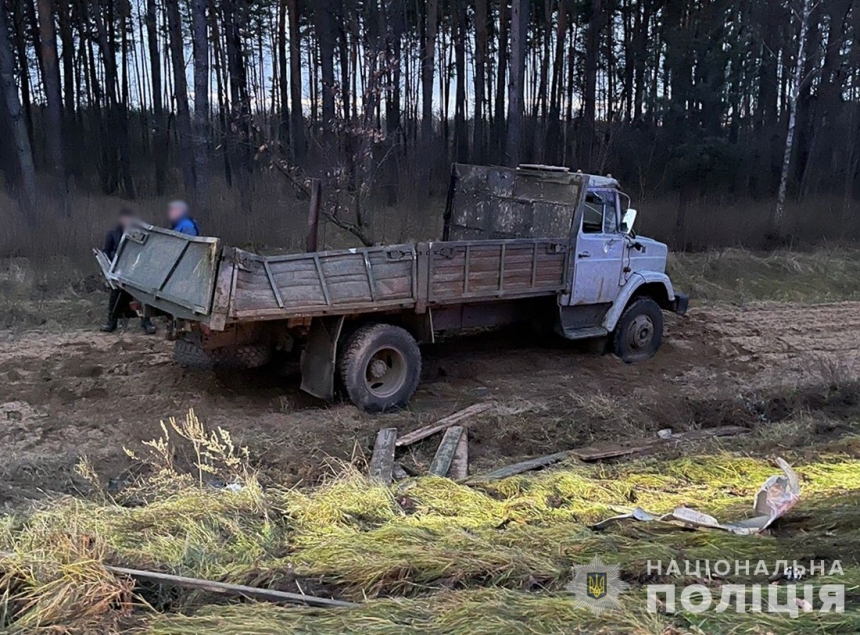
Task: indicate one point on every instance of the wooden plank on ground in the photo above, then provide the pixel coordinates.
(446, 422)
(607, 451)
(445, 454)
(519, 468)
(610, 451)
(382, 461)
(615, 450)
(269, 595)
(460, 464)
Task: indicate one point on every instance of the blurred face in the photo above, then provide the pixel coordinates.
(175, 212)
(125, 221)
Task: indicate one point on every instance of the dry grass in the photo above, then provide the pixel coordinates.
(490, 612)
(442, 557)
(738, 275)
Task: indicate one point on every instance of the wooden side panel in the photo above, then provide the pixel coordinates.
(223, 289)
(496, 269)
(324, 282)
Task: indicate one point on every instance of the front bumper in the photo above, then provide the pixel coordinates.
(681, 303)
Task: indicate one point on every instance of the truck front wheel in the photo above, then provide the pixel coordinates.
(639, 331)
(380, 367)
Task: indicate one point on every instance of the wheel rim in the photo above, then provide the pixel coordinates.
(640, 333)
(385, 372)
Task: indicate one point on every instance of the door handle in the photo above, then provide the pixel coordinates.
(584, 254)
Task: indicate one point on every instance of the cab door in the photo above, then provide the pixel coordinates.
(598, 258)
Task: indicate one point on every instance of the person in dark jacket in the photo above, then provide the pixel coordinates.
(180, 219)
(119, 304)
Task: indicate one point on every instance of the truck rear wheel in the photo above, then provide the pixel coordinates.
(380, 367)
(639, 331)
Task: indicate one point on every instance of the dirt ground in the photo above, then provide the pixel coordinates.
(83, 393)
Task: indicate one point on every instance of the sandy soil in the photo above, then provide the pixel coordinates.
(64, 395)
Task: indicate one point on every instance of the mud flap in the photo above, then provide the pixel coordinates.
(319, 357)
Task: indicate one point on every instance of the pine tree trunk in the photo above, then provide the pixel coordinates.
(480, 80)
(118, 129)
(200, 40)
(796, 83)
(553, 143)
(16, 123)
(323, 21)
(221, 88)
(297, 122)
(501, 74)
(589, 98)
(283, 79)
(461, 141)
(157, 103)
(428, 68)
(51, 83)
(183, 112)
(519, 22)
(240, 134)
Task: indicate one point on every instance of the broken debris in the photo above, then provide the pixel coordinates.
(777, 495)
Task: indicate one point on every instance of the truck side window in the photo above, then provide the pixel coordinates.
(592, 216)
(610, 214)
(600, 214)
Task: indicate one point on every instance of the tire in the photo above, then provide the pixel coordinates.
(639, 331)
(380, 367)
(189, 354)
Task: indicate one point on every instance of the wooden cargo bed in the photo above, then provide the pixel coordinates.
(194, 278)
(398, 276)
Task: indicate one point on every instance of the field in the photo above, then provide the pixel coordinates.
(770, 345)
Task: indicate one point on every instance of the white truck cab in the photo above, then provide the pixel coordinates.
(616, 287)
(616, 270)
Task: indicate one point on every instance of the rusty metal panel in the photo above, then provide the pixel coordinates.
(174, 270)
(495, 202)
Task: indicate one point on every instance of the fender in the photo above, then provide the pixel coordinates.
(634, 283)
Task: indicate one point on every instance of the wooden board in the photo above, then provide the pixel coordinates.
(445, 454)
(382, 461)
(607, 451)
(519, 468)
(446, 422)
(268, 595)
(614, 450)
(460, 465)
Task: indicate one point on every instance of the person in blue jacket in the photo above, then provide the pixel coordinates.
(180, 219)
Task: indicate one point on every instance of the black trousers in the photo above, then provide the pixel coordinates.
(119, 305)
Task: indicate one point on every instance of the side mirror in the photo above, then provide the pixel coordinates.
(628, 221)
